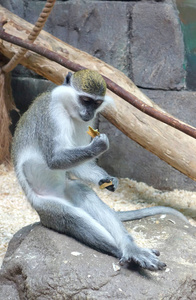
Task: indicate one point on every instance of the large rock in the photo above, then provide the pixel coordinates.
(42, 264)
(157, 47)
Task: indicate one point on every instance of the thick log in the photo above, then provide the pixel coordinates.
(6, 104)
(174, 147)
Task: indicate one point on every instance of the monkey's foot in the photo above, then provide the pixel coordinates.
(145, 258)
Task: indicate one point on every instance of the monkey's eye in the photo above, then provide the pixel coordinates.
(85, 98)
(98, 102)
(87, 101)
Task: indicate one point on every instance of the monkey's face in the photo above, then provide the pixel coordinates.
(88, 107)
(90, 89)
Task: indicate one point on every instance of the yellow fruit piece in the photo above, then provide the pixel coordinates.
(93, 132)
(105, 184)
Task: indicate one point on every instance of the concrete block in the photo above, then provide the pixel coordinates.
(15, 6)
(100, 28)
(157, 47)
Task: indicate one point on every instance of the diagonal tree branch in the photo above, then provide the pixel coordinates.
(130, 98)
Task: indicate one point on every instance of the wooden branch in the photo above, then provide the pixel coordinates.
(6, 104)
(175, 147)
(115, 88)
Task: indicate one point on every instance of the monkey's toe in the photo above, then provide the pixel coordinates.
(156, 252)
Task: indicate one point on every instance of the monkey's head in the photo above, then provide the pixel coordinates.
(90, 88)
(90, 82)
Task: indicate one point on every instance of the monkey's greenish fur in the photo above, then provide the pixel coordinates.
(90, 82)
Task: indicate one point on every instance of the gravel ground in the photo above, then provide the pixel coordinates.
(16, 212)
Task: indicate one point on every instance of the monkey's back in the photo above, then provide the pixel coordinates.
(33, 126)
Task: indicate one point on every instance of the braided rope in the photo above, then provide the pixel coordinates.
(32, 36)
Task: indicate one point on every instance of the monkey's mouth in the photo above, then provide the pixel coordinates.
(87, 116)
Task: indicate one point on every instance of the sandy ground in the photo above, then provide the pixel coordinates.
(15, 211)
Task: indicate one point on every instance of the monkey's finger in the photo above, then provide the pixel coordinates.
(105, 183)
(110, 188)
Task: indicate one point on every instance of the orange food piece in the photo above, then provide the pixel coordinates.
(93, 132)
(105, 184)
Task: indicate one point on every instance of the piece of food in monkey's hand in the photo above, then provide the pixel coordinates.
(93, 132)
(105, 184)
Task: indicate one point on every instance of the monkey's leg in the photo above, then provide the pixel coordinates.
(57, 210)
(83, 197)
(61, 216)
(74, 209)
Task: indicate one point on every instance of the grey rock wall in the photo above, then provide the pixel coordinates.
(157, 48)
(141, 38)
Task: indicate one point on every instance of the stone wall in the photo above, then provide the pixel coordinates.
(141, 38)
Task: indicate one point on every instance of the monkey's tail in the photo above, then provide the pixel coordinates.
(147, 212)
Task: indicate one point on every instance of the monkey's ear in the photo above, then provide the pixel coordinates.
(67, 79)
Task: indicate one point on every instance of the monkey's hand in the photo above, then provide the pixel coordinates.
(100, 144)
(110, 183)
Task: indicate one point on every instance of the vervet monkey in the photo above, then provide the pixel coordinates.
(51, 145)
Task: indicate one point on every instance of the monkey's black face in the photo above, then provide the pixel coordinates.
(88, 107)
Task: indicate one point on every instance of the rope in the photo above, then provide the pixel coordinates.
(32, 36)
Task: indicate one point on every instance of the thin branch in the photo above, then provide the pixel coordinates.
(40, 50)
(130, 98)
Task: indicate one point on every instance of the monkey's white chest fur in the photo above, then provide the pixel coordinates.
(80, 136)
(71, 130)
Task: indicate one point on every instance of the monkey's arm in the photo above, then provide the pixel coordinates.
(90, 172)
(68, 158)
